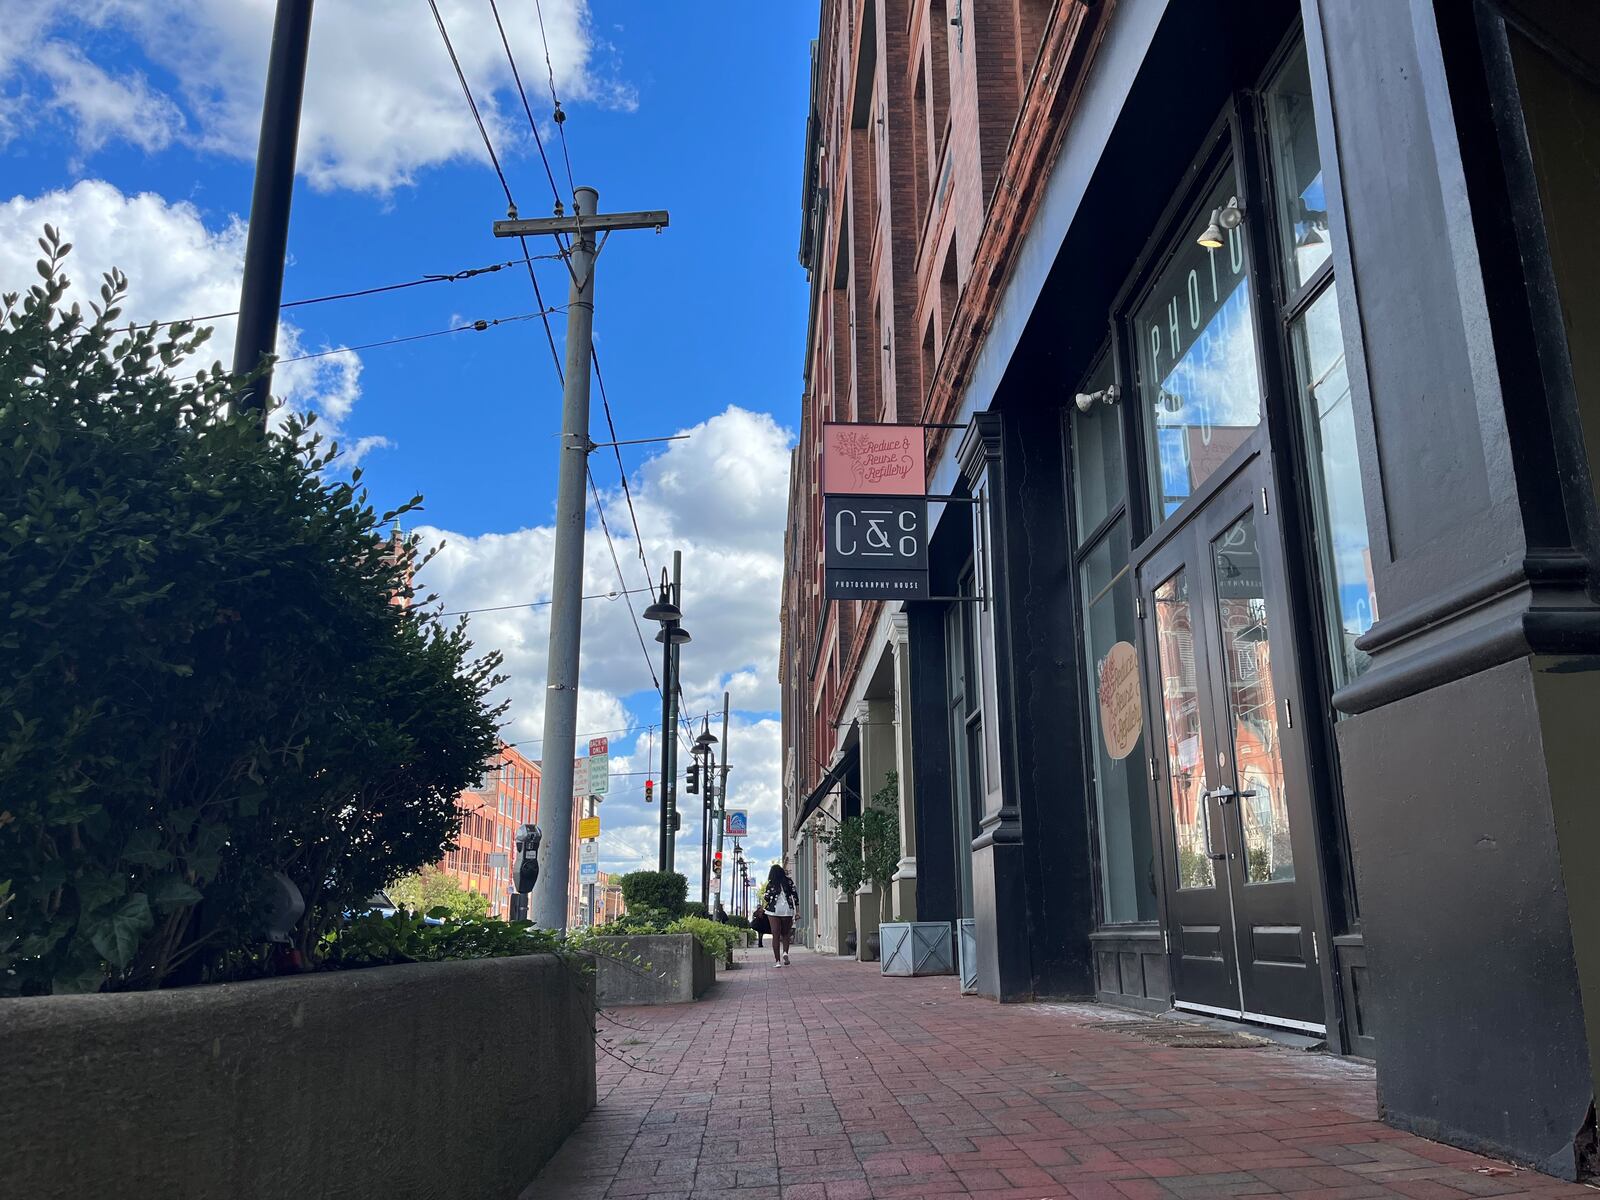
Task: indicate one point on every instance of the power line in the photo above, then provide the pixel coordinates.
(627, 493)
(478, 326)
(469, 273)
(466, 91)
(559, 116)
(532, 124)
(463, 612)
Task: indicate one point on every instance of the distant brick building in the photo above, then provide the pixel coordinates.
(506, 796)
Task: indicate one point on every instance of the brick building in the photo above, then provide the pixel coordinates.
(506, 796)
(1252, 344)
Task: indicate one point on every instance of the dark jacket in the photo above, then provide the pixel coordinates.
(769, 895)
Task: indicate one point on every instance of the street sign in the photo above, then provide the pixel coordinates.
(599, 772)
(588, 852)
(599, 745)
(738, 823)
(876, 547)
(589, 872)
(873, 459)
(589, 827)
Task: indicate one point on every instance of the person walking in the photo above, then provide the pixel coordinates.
(780, 902)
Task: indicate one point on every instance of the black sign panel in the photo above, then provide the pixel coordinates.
(877, 547)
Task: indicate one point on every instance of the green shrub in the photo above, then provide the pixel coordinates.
(431, 888)
(664, 890)
(204, 678)
(739, 921)
(716, 937)
(694, 908)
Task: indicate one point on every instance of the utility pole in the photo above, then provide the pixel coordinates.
(721, 815)
(261, 293)
(566, 589)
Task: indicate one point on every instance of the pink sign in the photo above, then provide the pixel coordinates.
(874, 460)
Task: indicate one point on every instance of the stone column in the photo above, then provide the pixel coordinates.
(904, 888)
(876, 718)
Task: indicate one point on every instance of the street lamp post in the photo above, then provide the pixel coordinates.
(704, 755)
(666, 612)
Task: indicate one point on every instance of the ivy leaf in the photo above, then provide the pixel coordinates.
(116, 936)
(170, 892)
(144, 848)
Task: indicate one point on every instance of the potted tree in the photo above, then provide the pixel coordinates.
(864, 850)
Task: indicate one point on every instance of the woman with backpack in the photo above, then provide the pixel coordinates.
(780, 902)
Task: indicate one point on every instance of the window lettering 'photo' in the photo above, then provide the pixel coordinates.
(1201, 388)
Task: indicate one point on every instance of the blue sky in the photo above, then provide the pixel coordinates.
(133, 129)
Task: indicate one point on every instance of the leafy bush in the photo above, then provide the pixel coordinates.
(716, 937)
(374, 940)
(739, 921)
(694, 908)
(432, 889)
(664, 890)
(204, 677)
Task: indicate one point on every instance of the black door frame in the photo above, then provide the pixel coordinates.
(1234, 145)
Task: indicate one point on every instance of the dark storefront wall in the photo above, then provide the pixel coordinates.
(1462, 756)
(1467, 753)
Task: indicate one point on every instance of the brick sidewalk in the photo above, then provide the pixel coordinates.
(825, 1081)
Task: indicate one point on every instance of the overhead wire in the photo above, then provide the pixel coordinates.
(464, 612)
(478, 326)
(454, 277)
(560, 117)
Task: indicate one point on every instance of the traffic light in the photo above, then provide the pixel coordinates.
(649, 791)
(716, 863)
(691, 779)
(677, 821)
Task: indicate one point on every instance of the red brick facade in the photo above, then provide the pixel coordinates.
(933, 124)
(507, 796)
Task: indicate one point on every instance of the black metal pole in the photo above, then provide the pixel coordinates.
(262, 291)
(666, 737)
(707, 788)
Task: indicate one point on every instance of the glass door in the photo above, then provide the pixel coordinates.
(1234, 796)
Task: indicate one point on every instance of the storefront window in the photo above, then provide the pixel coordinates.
(1302, 207)
(1097, 469)
(1110, 635)
(1199, 384)
(1339, 507)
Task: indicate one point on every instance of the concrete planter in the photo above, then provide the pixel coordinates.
(967, 941)
(917, 948)
(680, 969)
(318, 1085)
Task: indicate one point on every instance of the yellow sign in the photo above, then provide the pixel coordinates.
(589, 827)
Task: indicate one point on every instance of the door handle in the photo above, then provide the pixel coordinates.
(1205, 815)
(1224, 794)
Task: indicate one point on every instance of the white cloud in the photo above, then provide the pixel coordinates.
(381, 103)
(720, 498)
(104, 108)
(176, 267)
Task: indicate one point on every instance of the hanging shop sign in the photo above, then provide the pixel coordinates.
(876, 547)
(1121, 716)
(874, 460)
(738, 823)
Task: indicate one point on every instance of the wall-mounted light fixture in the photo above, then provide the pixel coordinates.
(1226, 217)
(1109, 394)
